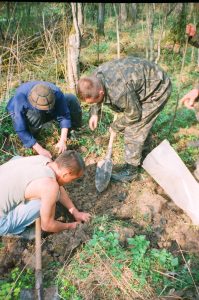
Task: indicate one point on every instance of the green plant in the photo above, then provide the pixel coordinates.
(67, 290)
(10, 288)
(153, 267)
(102, 48)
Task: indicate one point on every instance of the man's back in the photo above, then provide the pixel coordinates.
(16, 174)
(130, 74)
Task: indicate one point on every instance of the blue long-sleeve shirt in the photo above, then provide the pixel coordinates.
(19, 104)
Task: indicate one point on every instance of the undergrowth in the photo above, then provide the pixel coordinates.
(136, 269)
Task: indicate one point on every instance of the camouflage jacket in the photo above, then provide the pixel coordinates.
(194, 41)
(128, 82)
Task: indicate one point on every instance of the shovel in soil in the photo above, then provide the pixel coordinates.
(104, 168)
(39, 293)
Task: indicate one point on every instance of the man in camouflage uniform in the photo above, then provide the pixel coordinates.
(139, 90)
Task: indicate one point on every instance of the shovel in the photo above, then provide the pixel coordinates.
(104, 168)
(50, 293)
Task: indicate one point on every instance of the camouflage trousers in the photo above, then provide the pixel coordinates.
(136, 134)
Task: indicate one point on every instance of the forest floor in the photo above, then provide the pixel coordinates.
(143, 204)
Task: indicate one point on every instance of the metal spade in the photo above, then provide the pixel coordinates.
(104, 168)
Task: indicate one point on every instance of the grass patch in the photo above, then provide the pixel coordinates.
(112, 270)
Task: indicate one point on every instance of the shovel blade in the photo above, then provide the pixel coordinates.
(27, 294)
(103, 174)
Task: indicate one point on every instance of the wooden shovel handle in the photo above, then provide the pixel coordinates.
(110, 146)
(38, 244)
(38, 265)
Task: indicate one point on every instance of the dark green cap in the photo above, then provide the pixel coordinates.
(42, 97)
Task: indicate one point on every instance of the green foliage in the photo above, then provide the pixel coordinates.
(67, 290)
(167, 122)
(10, 288)
(6, 128)
(178, 25)
(6, 133)
(26, 17)
(158, 268)
(87, 137)
(189, 155)
(102, 48)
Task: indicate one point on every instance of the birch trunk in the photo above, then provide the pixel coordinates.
(101, 14)
(74, 51)
(150, 28)
(80, 16)
(117, 31)
(123, 12)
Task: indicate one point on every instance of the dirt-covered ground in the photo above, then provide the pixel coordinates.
(143, 203)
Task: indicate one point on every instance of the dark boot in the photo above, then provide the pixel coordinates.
(127, 174)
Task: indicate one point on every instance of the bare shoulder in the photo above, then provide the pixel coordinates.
(47, 183)
(41, 186)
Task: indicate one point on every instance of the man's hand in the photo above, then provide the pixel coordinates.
(189, 99)
(72, 225)
(93, 122)
(190, 30)
(80, 216)
(61, 146)
(41, 151)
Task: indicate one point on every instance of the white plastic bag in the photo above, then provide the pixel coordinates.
(169, 171)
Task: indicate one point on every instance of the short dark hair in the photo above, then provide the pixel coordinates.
(71, 160)
(88, 87)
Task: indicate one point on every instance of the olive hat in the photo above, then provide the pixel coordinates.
(42, 97)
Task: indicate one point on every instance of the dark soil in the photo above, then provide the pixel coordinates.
(142, 203)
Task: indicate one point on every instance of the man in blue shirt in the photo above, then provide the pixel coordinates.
(38, 102)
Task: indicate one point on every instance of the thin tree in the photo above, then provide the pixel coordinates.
(167, 10)
(74, 51)
(117, 31)
(80, 16)
(101, 16)
(150, 28)
(123, 12)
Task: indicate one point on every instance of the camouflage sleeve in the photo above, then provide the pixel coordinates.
(131, 115)
(95, 109)
(194, 41)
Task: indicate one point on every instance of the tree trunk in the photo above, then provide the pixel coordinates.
(132, 12)
(117, 31)
(74, 51)
(123, 12)
(150, 24)
(101, 15)
(80, 16)
(167, 11)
